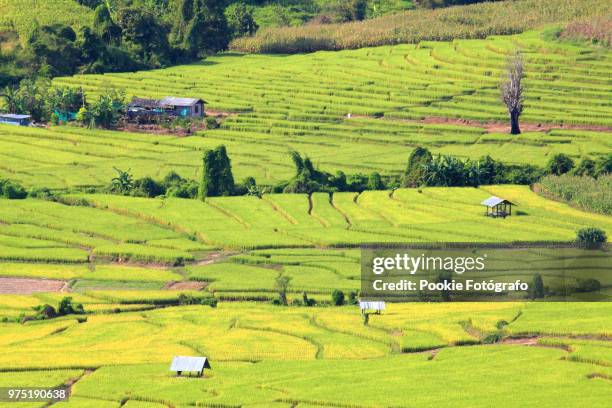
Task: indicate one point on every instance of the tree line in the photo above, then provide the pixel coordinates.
(126, 35)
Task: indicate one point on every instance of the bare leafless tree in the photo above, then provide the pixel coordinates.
(512, 90)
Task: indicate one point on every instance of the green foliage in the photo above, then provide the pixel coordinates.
(537, 290)
(588, 285)
(66, 307)
(584, 192)
(375, 182)
(591, 237)
(447, 3)
(104, 26)
(585, 168)
(281, 285)
(147, 187)
(472, 21)
(200, 27)
(12, 190)
(560, 164)
(445, 171)
(123, 183)
(337, 297)
(418, 161)
(211, 123)
(54, 46)
(217, 177)
(144, 35)
(105, 112)
(240, 20)
(29, 98)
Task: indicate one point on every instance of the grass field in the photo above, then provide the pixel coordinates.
(19, 15)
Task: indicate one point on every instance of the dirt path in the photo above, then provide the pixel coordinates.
(495, 126)
(214, 257)
(27, 286)
(185, 285)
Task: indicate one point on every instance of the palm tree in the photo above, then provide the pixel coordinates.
(12, 99)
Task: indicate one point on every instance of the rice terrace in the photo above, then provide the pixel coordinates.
(194, 183)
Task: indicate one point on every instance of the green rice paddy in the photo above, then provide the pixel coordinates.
(134, 262)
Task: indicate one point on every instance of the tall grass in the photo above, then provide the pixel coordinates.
(474, 21)
(584, 192)
(597, 31)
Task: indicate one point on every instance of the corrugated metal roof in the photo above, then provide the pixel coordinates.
(14, 116)
(183, 363)
(175, 101)
(369, 305)
(144, 102)
(493, 201)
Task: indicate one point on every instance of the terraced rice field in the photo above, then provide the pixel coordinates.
(349, 219)
(260, 354)
(301, 102)
(121, 257)
(117, 355)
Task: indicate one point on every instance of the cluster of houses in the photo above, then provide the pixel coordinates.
(138, 110)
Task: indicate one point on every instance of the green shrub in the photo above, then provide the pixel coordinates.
(585, 168)
(337, 297)
(211, 123)
(537, 289)
(492, 338)
(591, 237)
(12, 190)
(588, 285)
(559, 164)
(66, 307)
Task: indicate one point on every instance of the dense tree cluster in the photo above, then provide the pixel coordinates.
(126, 35)
(61, 104)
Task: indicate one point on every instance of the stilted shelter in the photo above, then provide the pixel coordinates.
(370, 306)
(497, 207)
(196, 365)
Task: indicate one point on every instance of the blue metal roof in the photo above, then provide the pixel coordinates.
(14, 116)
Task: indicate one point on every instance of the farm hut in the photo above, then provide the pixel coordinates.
(366, 306)
(497, 207)
(182, 364)
(185, 107)
(15, 119)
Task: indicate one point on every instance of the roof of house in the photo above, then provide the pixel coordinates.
(14, 116)
(176, 101)
(183, 363)
(144, 102)
(493, 201)
(370, 305)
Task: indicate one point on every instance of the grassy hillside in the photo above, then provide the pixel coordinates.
(164, 230)
(301, 102)
(474, 21)
(19, 15)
